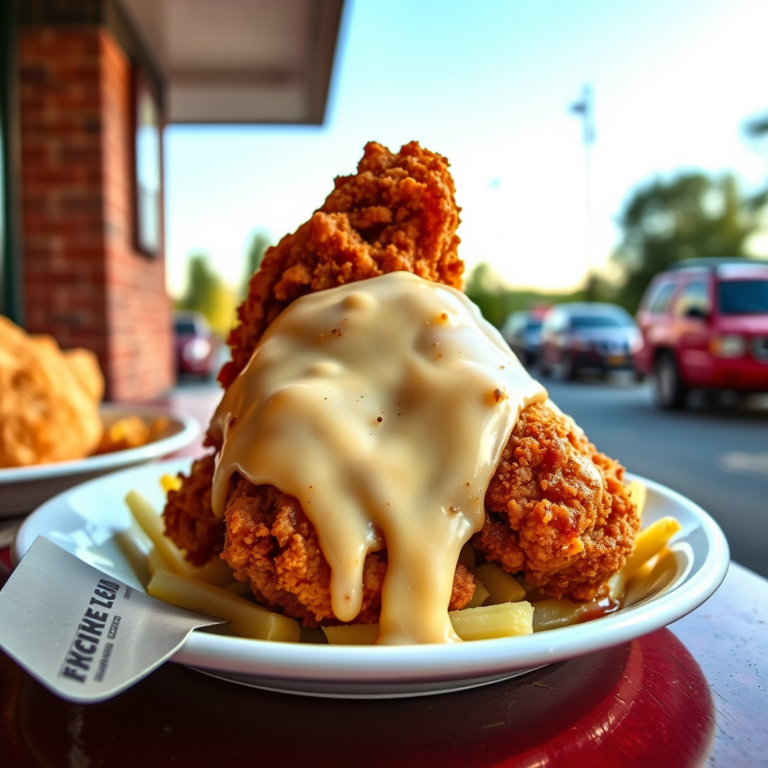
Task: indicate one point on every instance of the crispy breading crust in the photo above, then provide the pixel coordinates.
(557, 508)
(397, 213)
(189, 519)
(271, 544)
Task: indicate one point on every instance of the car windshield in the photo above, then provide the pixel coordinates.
(584, 322)
(743, 297)
(533, 325)
(185, 328)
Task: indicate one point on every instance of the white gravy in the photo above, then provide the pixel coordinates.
(383, 407)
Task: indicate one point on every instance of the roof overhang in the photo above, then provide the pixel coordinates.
(241, 61)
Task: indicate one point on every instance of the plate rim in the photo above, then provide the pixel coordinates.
(412, 664)
(190, 429)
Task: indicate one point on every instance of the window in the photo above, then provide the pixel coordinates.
(582, 322)
(659, 302)
(694, 300)
(743, 297)
(147, 171)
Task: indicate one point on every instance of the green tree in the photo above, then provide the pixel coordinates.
(207, 293)
(258, 247)
(485, 288)
(692, 215)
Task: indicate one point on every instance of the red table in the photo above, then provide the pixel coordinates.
(693, 694)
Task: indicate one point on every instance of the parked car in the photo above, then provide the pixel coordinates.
(587, 336)
(705, 325)
(195, 345)
(522, 331)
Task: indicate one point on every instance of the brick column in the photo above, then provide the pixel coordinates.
(83, 281)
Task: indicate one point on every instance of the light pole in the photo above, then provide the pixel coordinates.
(583, 107)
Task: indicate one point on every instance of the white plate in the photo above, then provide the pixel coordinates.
(24, 488)
(85, 519)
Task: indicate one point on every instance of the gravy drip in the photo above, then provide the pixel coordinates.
(383, 407)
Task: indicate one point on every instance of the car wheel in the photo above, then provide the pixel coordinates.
(544, 370)
(668, 387)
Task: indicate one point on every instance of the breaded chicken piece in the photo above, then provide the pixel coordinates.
(397, 213)
(271, 544)
(557, 509)
(189, 519)
(49, 399)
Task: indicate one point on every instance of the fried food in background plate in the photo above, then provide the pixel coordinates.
(556, 508)
(131, 432)
(49, 399)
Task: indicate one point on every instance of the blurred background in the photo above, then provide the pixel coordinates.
(153, 149)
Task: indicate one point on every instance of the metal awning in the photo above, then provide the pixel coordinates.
(241, 61)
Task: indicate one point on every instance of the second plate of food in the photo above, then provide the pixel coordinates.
(24, 488)
(86, 519)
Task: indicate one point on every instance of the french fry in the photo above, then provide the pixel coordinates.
(483, 623)
(152, 524)
(480, 595)
(638, 493)
(552, 613)
(650, 542)
(533, 594)
(488, 621)
(216, 572)
(156, 562)
(170, 483)
(643, 585)
(616, 585)
(502, 588)
(240, 588)
(134, 555)
(246, 619)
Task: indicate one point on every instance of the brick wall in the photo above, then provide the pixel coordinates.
(138, 308)
(83, 282)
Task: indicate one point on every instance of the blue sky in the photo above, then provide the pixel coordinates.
(488, 84)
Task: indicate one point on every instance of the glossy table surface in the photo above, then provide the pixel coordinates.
(693, 694)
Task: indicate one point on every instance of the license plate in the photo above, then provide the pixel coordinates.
(617, 359)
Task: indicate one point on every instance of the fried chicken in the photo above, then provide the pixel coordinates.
(189, 519)
(556, 508)
(271, 544)
(397, 213)
(49, 399)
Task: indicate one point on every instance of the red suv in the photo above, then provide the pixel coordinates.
(705, 325)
